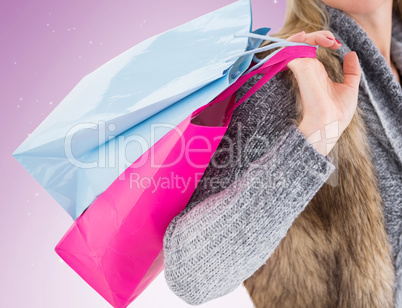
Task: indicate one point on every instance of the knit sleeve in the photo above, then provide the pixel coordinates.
(228, 230)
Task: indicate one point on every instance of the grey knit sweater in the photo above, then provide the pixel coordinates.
(240, 212)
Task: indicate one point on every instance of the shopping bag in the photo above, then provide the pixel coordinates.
(116, 245)
(105, 123)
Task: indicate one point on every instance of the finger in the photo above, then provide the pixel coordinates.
(328, 34)
(351, 70)
(322, 38)
(298, 37)
(307, 71)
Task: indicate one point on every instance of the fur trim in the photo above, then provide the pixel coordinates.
(337, 252)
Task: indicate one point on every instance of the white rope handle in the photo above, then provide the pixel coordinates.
(279, 43)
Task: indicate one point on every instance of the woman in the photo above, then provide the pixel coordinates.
(308, 212)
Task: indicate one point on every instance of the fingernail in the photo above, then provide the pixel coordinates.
(338, 41)
(330, 38)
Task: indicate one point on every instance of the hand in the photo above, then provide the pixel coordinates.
(328, 107)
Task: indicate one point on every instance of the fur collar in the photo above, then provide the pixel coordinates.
(337, 252)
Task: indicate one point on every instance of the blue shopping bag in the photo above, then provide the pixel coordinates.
(116, 113)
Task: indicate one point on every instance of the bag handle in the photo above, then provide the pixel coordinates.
(269, 66)
(280, 42)
(276, 64)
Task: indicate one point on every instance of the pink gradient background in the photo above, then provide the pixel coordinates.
(46, 48)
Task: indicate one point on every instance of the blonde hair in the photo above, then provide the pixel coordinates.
(310, 16)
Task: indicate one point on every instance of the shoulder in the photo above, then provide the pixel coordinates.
(258, 122)
(276, 93)
(252, 131)
(274, 104)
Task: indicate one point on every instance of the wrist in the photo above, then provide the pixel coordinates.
(322, 137)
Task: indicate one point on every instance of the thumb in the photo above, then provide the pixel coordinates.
(351, 70)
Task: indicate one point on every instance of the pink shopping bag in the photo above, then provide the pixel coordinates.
(116, 245)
